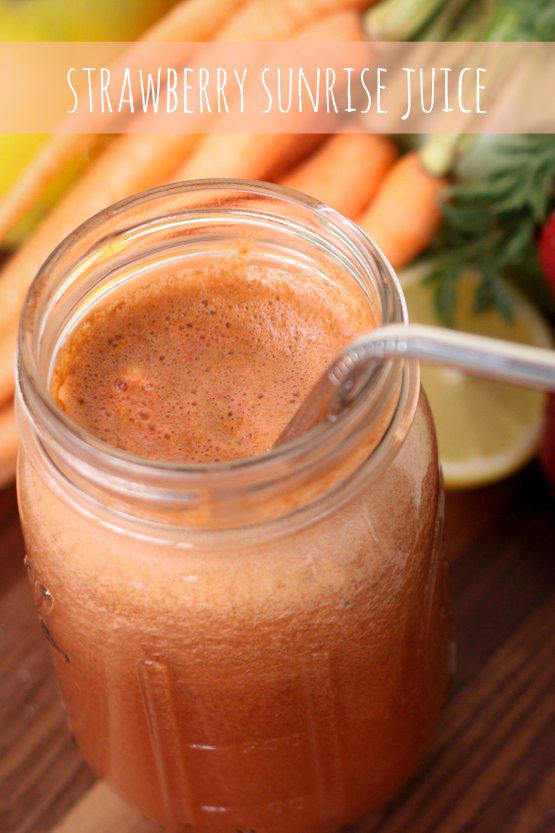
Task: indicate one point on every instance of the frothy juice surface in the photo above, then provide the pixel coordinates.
(206, 366)
(279, 677)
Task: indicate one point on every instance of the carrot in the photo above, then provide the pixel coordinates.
(8, 445)
(236, 155)
(296, 152)
(254, 155)
(45, 167)
(281, 19)
(190, 20)
(7, 347)
(405, 213)
(345, 172)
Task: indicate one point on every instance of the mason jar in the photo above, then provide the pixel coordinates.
(254, 646)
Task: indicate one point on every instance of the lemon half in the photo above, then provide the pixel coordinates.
(486, 430)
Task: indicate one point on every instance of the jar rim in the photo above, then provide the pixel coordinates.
(39, 402)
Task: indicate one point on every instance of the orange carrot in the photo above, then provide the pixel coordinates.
(345, 172)
(281, 19)
(254, 155)
(7, 346)
(237, 155)
(294, 154)
(46, 166)
(8, 445)
(190, 20)
(405, 213)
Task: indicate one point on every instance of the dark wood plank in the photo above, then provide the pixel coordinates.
(487, 730)
(469, 514)
(498, 734)
(41, 772)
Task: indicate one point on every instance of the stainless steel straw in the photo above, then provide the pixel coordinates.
(532, 367)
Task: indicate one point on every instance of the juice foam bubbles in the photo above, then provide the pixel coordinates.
(203, 366)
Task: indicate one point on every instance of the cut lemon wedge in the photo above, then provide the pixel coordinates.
(486, 430)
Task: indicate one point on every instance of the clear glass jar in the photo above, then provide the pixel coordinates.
(259, 645)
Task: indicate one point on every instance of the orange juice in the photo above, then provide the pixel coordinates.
(246, 640)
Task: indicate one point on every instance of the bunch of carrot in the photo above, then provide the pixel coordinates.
(393, 199)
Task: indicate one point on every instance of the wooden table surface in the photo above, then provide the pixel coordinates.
(492, 769)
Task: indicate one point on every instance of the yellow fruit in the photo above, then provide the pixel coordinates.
(486, 430)
(80, 20)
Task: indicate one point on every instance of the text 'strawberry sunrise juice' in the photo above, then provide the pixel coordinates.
(246, 638)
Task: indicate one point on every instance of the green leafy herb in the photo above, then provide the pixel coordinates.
(490, 225)
(491, 222)
(522, 20)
